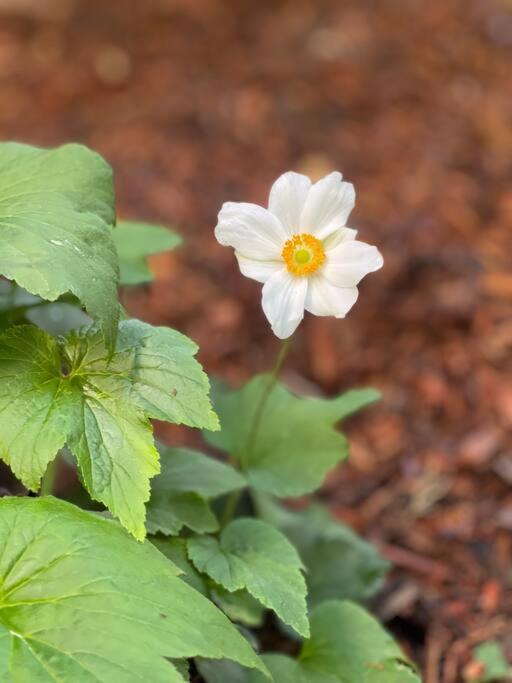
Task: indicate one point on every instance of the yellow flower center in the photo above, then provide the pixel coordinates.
(303, 254)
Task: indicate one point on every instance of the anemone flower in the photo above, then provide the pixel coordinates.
(300, 248)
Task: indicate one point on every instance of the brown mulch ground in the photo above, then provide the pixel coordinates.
(195, 102)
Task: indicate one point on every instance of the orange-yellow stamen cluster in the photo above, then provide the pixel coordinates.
(303, 254)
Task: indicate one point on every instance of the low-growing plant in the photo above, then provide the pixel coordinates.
(169, 564)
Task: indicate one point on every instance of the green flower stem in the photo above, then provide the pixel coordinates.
(48, 480)
(283, 350)
(234, 498)
(230, 507)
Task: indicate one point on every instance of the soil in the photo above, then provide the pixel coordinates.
(195, 102)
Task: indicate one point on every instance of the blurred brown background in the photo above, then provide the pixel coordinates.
(195, 102)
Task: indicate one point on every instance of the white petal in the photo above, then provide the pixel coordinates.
(251, 230)
(257, 270)
(287, 197)
(327, 206)
(339, 236)
(349, 262)
(326, 299)
(283, 302)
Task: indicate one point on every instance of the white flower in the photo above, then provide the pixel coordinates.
(300, 248)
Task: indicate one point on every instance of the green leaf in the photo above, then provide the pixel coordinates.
(80, 600)
(339, 564)
(347, 645)
(52, 394)
(175, 549)
(136, 241)
(287, 670)
(391, 671)
(187, 470)
(36, 402)
(56, 213)
(179, 493)
(5, 646)
(491, 655)
(155, 368)
(240, 606)
(294, 446)
(183, 667)
(253, 555)
(223, 671)
(352, 401)
(168, 512)
(284, 669)
(347, 642)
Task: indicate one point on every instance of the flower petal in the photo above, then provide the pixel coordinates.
(327, 206)
(287, 197)
(349, 262)
(338, 236)
(323, 298)
(251, 230)
(257, 270)
(283, 302)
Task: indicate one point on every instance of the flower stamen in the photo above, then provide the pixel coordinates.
(303, 254)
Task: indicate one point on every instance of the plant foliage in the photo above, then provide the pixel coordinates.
(72, 607)
(84, 595)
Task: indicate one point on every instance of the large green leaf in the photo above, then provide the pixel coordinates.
(339, 563)
(176, 550)
(184, 469)
(253, 555)
(180, 493)
(295, 443)
(154, 367)
(52, 394)
(287, 670)
(284, 669)
(347, 645)
(56, 217)
(81, 601)
(240, 606)
(136, 241)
